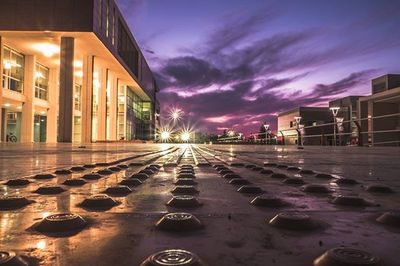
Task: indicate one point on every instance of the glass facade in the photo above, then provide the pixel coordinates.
(13, 70)
(41, 82)
(95, 105)
(39, 128)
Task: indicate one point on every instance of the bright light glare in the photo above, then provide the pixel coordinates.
(47, 49)
(165, 135)
(175, 114)
(185, 136)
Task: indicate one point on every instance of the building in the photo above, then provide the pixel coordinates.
(349, 127)
(379, 112)
(310, 131)
(72, 72)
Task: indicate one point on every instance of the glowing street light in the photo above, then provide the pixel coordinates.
(185, 136)
(335, 111)
(175, 114)
(165, 135)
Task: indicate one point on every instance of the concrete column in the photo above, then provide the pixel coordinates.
(52, 112)
(87, 92)
(29, 92)
(1, 90)
(102, 105)
(113, 108)
(66, 97)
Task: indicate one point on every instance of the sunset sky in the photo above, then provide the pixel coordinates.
(237, 63)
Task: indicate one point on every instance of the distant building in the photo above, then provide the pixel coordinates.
(384, 101)
(310, 133)
(348, 132)
(71, 71)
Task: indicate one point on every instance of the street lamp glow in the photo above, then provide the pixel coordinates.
(175, 114)
(185, 136)
(165, 135)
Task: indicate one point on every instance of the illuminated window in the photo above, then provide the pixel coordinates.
(41, 82)
(107, 18)
(77, 97)
(13, 70)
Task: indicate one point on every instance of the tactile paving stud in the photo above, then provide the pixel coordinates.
(186, 181)
(203, 164)
(136, 164)
(279, 176)
(293, 221)
(123, 166)
(266, 171)
(186, 172)
(250, 189)
(99, 201)
(12, 202)
(132, 182)
(257, 168)
(90, 166)
(10, 258)
(61, 223)
(391, 218)
(317, 188)
(294, 181)
(153, 168)
(268, 164)
(78, 168)
(49, 190)
(147, 172)
(183, 201)
(179, 221)
(293, 168)
(186, 166)
(221, 168)
(226, 171)
(324, 176)
(188, 190)
(237, 164)
(63, 172)
(281, 166)
(268, 201)
(91, 176)
(18, 182)
(344, 256)
(115, 169)
(239, 181)
(355, 201)
(306, 172)
(217, 165)
(105, 172)
(231, 175)
(44, 176)
(155, 165)
(346, 181)
(118, 190)
(141, 176)
(102, 164)
(173, 257)
(74, 182)
(250, 166)
(377, 188)
(186, 176)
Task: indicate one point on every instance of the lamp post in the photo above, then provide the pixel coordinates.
(298, 119)
(335, 111)
(266, 126)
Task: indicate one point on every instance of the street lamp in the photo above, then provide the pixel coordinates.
(335, 111)
(165, 135)
(298, 119)
(266, 126)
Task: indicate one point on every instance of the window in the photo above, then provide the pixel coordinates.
(77, 97)
(13, 70)
(147, 111)
(101, 14)
(291, 123)
(113, 27)
(41, 82)
(108, 18)
(127, 50)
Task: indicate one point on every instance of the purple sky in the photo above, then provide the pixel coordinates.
(237, 63)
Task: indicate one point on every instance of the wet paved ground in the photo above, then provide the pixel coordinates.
(232, 230)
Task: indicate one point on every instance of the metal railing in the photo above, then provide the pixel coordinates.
(365, 135)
